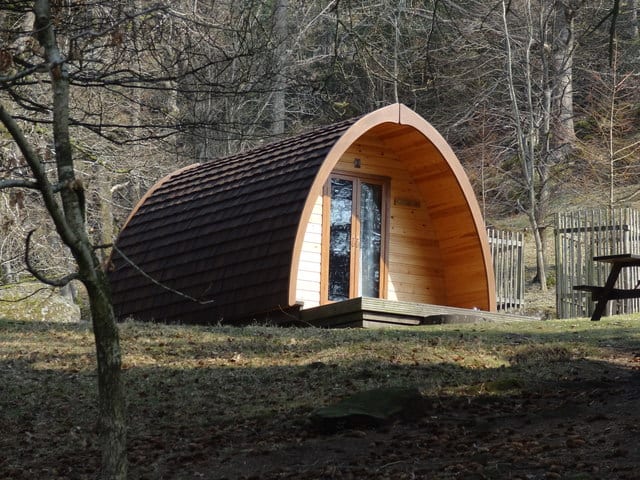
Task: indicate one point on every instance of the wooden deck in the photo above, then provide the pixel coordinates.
(378, 313)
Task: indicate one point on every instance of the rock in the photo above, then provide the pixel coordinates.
(371, 408)
(36, 302)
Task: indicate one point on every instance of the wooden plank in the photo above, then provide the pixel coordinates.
(418, 251)
(380, 165)
(413, 232)
(414, 308)
(621, 258)
(615, 294)
(408, 140)
(367, 169)
(371, 156)
(314, 230)
(416, 283)
(391, 318)
(370, 311)
(310, 261)
(333, 309)
(418, 293)
(421, 270)
(353, 320)
(412, 214)
(308, 286)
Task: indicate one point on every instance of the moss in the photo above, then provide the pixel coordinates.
(36, 302)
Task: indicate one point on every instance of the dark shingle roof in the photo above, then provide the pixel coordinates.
(222, 232)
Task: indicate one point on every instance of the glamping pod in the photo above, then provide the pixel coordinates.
(377, 207)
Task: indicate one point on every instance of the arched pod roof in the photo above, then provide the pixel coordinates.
(228, 232)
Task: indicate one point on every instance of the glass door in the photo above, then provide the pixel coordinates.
(370, 241)
(354, 252)
(340, 236)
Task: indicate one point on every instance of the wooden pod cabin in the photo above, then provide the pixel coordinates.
(377, 206)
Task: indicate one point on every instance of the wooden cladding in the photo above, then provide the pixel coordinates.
(413, 269)
(406, 202)
(435, 253)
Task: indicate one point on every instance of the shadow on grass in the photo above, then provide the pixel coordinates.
(198, 397)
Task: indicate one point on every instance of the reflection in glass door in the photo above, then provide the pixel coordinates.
(355, 247)
(370, 239)
(340, 239)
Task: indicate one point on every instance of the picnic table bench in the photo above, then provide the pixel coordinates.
(603, 294)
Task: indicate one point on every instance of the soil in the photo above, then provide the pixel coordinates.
(577, 430)
(582, 425)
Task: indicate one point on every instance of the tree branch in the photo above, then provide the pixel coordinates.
(21, 74)
(32, 294)
(61, 282)
(156, 282)
(36, 165)
(15, 183)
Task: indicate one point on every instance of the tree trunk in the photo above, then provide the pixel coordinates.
(111, 412)
(106, 215)
(633, 5)
(280, 82)
(70, 224)
(534, 171)
(564, 135)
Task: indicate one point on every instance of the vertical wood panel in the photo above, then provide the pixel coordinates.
(308, 282)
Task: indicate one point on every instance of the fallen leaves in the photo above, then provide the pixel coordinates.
(231, 403)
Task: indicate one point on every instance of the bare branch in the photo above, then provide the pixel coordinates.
(61, 282)
(20, 299)
(21, 74)
(119, 186)
(15, 183)
(35, 164)
(156, 282)
(630, 196)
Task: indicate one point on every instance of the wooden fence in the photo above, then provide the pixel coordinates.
(582, 235)
(507, 251)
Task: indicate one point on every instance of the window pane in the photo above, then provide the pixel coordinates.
(340, 239)
(370, 239)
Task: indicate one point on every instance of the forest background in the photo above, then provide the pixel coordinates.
(539, 99)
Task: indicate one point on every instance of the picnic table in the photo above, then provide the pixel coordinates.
(603, 294)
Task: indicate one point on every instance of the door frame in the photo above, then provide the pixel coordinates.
(357, 179)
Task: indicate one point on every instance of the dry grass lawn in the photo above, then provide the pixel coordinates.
(223, 402)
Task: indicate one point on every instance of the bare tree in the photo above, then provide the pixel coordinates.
(610, 144)
(63, 197)
(82, 83)
(538, 64)
(280, 36)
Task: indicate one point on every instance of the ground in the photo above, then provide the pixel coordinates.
(524, 400)
(582, 430)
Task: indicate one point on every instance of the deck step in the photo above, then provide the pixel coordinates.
(379, 313)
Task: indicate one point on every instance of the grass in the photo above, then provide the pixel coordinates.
(189, 384)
